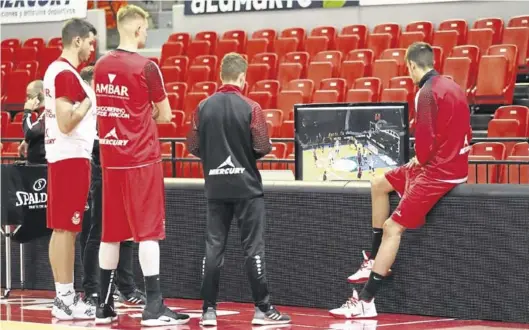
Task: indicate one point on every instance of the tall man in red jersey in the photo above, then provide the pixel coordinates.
(69, 137)
(127, 86)
(442, 136)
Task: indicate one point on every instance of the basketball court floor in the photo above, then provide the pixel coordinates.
(31, 310)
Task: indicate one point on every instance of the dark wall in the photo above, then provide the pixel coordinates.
(469, 261)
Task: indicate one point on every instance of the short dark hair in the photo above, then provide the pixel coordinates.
(232, 66)
(87, 73)
(421, 54)
(74, 28)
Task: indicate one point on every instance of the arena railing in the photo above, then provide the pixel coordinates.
(483, 171)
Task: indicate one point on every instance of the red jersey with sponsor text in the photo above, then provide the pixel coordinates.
(127, 84)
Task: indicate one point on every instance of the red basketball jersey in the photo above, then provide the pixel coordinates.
(127, 84)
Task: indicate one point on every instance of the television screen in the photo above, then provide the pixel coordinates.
(338, 142)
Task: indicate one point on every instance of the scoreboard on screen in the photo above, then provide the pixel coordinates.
(344, 142)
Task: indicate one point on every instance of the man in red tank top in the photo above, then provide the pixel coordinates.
(442, 137)
(127, 85)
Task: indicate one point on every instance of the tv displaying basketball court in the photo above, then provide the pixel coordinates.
(345, 142)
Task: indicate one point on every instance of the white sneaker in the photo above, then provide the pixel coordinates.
(61, 311)
(355, 308)
(362, 274)
(82, 310)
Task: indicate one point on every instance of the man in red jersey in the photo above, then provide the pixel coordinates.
(69, 137)
(442, 136)
(127, 85)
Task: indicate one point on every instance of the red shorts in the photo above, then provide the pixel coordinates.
(68, 188)
(133, 204)
(418, 193)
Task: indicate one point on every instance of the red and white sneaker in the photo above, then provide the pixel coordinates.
(362, 274)
(355, 308)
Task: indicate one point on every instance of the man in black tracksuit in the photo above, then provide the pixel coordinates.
(91, 239)
(229, 134)
(33, 145)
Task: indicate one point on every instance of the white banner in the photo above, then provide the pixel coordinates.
(399, 2)
(34, 11)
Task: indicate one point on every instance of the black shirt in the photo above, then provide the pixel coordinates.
(34, 137)
(229, 133)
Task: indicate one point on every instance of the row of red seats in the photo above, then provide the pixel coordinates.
(450, 33)
(499, 173)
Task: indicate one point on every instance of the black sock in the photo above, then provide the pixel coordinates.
(375, 244)
(370, 289)
(107, 286)
(152, 288)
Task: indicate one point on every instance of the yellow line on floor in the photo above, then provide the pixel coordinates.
(10, 325)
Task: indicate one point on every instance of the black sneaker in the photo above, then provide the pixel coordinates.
(272, 316)
(105, 313)
(91, 299)
(157, 314)
(135, 297)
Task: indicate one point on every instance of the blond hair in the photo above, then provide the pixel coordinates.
(131, 12)
(232, 66)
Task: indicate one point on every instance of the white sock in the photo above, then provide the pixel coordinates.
(149, 254)
(109, 255)
(66, 293)
(57, 288)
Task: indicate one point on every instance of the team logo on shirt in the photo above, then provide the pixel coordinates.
(227, 168)
(112, 139)
(112, 112)
(111, 89)
(76, 219)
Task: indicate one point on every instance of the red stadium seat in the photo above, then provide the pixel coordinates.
(334, 84)
(284, 46)
(352, 70)
(286, 101)
(287, 129)
(496, 90)
(191, 103)
(46, 57)
(459, 69)
(210, 61)
(491, 150)
(390, 28)
(18, 81)
(332, 56)
(166, 130)
(268, 34)
(181, 37)
(346, 43)
(365, 55)
(482, 38)
(37, 43)
(179, 118)
(365, 90)
(225, 46)
(207, 87)
(7, 67)
(514, 173)
(279, 150)
(400, 95)
(305, 86)
(239, 36)
(483, 173)
(179, 88)
(14, 130)
(297, 33)
(403, 82)
(209, 36)
(316, 44)
(270, 59)
(192, 168)
(198, 48)
(408, 38)
(275, 118)
(360, 30)
(174, 101)
(446, 40)
(437, 58)
(422, 26)
(262, 98)
(397, 54)
(378, 42)
(519, 21)
(516, 112)
(495, 24)
(10, 43)
(520, 149)
(288, 72)
(297, 57)
(255, 46)
(270, 86)
(8, 55)
(385, 70)
(325, 31)
(471, 52)
(505, 128)
(325, 96)
(171, 74)
(31, 66)
(359, 96)
(263, 164)
(518, 36)
(55, 42)
(182, 62)
(257, 72)
(319, 71)
(171, 49)
(458, 25)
